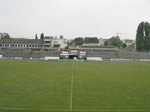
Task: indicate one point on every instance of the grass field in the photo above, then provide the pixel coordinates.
(44, 86)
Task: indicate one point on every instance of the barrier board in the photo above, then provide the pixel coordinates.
(52, 58)
(35, 58)
(94, 59)
(25, 58)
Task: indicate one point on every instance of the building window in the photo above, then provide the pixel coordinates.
(47, 42)
(47, 46)
(12, 45)
(6, 45)
(39, 45)
(47, 37)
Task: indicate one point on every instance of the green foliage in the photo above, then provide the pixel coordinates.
(80, 40)
(106, 42)
(67, 47)
(115, 41)
(140, 37)
(6, 37)
(91, 40)
(147, 37)
(68, 44)
(77, 41)
(143, 37)
(42, 36)
(124, 45)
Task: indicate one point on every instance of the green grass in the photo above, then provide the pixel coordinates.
(38, 85)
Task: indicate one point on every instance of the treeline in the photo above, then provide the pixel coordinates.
(81, 40)
(116, 42)
(143, 37)
(41, 36)
(6, 36)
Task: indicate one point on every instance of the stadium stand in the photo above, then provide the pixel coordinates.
(27, 53)
(133, 54)
(104, 54)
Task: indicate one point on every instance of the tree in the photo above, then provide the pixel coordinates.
(68, 44)
(42, 36)
(91, 40)
(36, 37)
(81, 40)
(140, 37)
(124, 45)
(78, 41)
(143, 37)
(6, 37)
(147, 37)
(106, 42)
(115, 41)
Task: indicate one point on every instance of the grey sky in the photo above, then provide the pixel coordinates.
(73, 18)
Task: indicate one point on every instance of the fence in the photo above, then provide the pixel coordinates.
(58, 59)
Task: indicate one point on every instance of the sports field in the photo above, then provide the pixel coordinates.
(44, 86)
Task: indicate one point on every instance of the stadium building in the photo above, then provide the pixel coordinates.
(54, 47)
(50, 46)
(47, 44)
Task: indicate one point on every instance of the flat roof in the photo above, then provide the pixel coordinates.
(21, 41)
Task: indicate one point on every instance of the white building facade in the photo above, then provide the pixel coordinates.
(48, 43)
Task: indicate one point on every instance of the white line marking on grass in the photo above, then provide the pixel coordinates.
(77, 110)
(10, 108)
(71, 86)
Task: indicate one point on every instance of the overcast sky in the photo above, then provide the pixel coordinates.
(73, 18)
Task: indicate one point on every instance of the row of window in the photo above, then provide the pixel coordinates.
(21, 45)
(95, 50)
